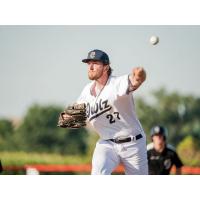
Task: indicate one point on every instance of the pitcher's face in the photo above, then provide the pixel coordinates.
(95, 70)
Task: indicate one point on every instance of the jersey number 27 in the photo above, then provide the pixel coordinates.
(112, 117)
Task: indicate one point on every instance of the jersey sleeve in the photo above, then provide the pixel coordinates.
(177, 162)
(122, 85)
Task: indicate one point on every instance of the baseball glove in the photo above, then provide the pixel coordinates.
(75, 116)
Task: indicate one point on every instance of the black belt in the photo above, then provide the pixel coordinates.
(134, 138)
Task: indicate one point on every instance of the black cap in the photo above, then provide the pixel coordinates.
(159, 130)
(97, 55)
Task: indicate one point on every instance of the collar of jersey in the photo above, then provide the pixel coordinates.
(93, 85)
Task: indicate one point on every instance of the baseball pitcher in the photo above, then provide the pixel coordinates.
(107, 104)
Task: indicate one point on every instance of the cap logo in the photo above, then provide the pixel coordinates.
(92, 54)
(157, 129)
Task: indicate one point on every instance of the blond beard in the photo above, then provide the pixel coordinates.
(94, 76)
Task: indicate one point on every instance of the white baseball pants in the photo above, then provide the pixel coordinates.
(108, 155)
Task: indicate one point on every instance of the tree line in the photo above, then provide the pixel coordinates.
(38, 131)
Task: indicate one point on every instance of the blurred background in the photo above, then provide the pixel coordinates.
(41, 72)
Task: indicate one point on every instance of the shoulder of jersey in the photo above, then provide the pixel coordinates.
(150, 146)
(112, 80)
(118, 79)
(88, 85)
(171, 147)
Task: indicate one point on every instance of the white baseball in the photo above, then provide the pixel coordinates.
(154, 40)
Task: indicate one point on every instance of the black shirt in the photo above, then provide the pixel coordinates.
(1, 168)
(161, 163)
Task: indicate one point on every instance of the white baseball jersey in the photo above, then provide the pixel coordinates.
(112, 112)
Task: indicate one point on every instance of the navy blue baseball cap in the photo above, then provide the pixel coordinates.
(97, 55)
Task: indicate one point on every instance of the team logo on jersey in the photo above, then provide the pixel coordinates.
(98, 109)
(154, 157)
(167, 163)
(92, 54)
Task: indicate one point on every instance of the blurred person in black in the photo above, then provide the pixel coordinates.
(1, 168)
(162, 156)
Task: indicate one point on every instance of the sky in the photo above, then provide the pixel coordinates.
(42, 64)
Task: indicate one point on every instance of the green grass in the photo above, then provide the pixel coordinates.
(24, 158)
